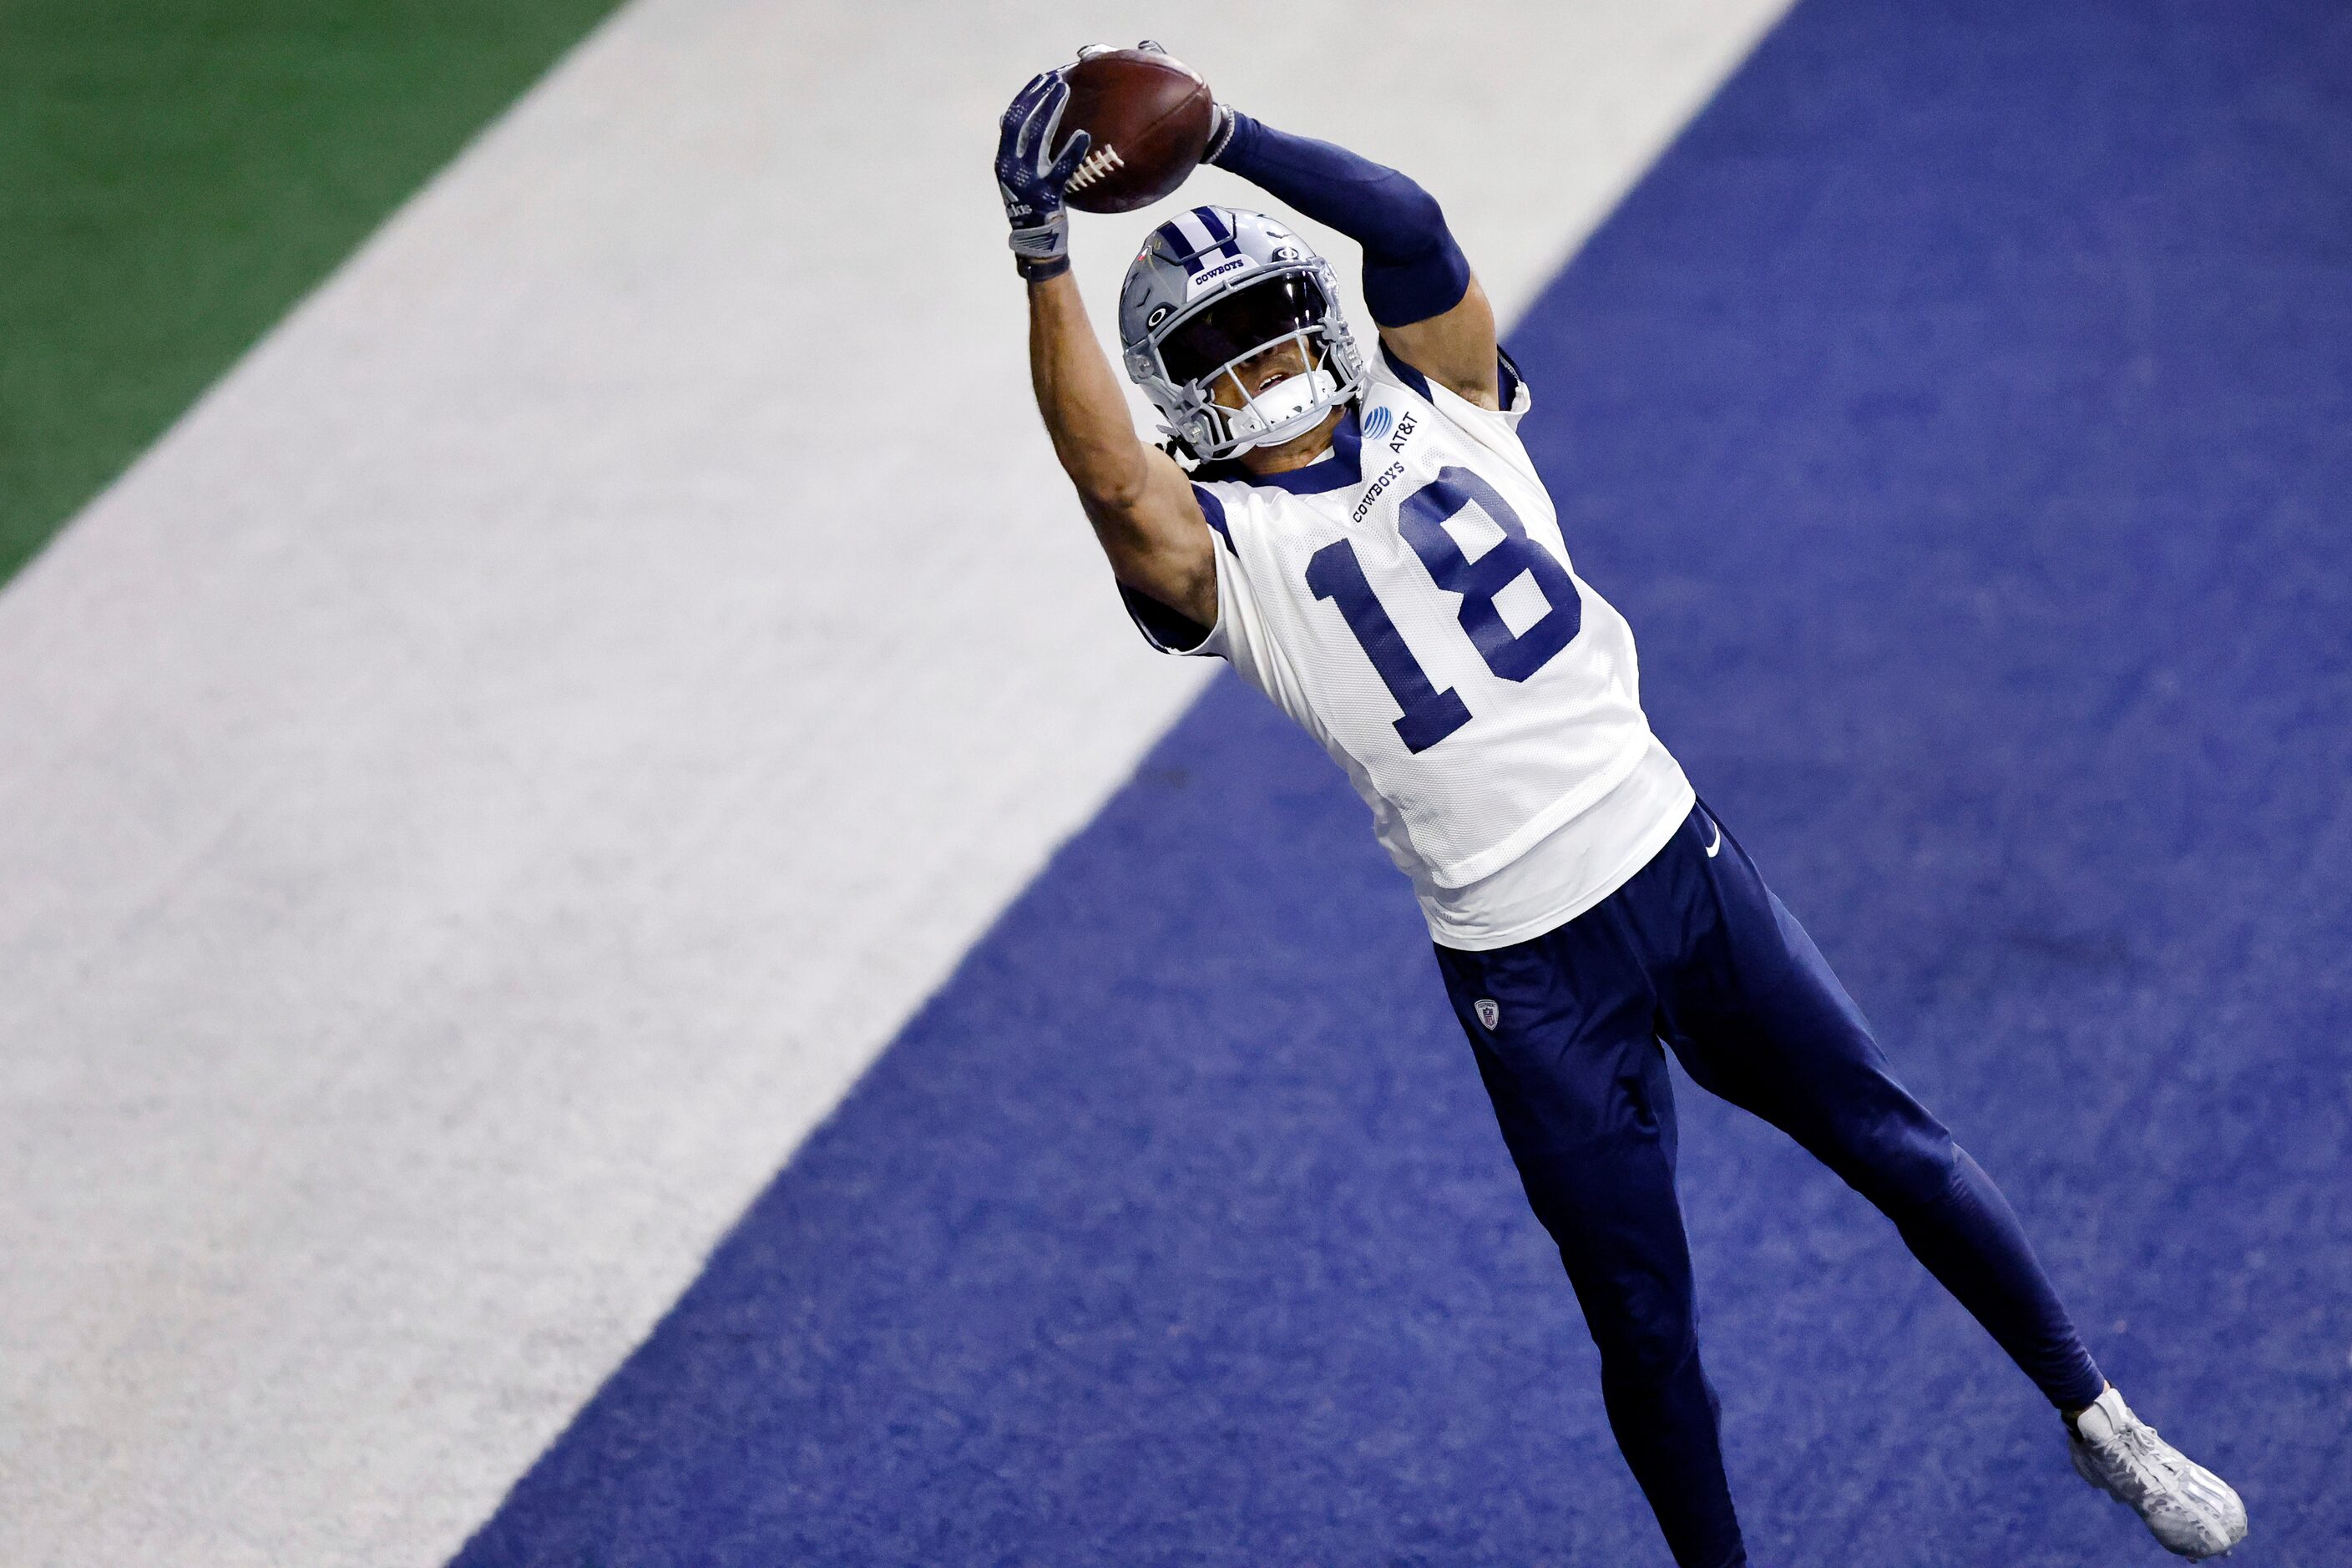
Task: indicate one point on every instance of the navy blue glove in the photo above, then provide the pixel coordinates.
(1032, 175)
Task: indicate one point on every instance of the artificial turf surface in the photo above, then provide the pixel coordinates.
(175, 174)
(1959, 413)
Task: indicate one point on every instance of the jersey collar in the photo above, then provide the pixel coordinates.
(1337, 469)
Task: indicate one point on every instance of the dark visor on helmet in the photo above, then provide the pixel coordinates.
(1239, 325)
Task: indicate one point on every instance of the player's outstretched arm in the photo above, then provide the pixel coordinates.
(1431, 311)
(1139, 502)
(1141, 506)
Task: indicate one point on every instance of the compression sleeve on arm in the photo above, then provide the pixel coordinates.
(1412, 267)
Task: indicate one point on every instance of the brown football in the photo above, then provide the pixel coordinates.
(1150, 119)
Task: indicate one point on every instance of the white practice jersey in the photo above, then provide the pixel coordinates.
(1409, 600)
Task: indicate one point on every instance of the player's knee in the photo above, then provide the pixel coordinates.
(1647, 1355)
(1645, 1338)
(1900, 1161)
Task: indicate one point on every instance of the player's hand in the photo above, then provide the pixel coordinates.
(1032, 174)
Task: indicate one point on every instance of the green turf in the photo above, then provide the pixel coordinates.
(175, 174)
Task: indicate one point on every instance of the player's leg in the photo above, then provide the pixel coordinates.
(1563, 1028)
(1757, 1016)
(1754, 1012)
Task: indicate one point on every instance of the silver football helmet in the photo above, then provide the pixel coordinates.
(1213, 288)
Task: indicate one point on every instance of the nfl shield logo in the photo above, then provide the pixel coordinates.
(1489, 1014)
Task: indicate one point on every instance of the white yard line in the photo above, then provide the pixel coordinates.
(483, 787)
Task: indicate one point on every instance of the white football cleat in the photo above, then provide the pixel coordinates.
(2190, 1510)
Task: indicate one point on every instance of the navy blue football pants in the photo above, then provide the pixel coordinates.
(1694, 952)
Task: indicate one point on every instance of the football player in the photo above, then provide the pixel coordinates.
(1365, 540)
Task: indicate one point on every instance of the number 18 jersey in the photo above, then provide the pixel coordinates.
(1408, 599)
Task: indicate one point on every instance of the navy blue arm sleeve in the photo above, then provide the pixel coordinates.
(1412, 267)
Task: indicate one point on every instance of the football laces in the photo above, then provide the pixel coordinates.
(1097, 163)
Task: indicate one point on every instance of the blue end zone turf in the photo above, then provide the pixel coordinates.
(1962, 413)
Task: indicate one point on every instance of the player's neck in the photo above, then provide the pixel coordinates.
(1297, 452)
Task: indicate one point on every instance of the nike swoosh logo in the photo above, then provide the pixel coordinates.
(1718, 837)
